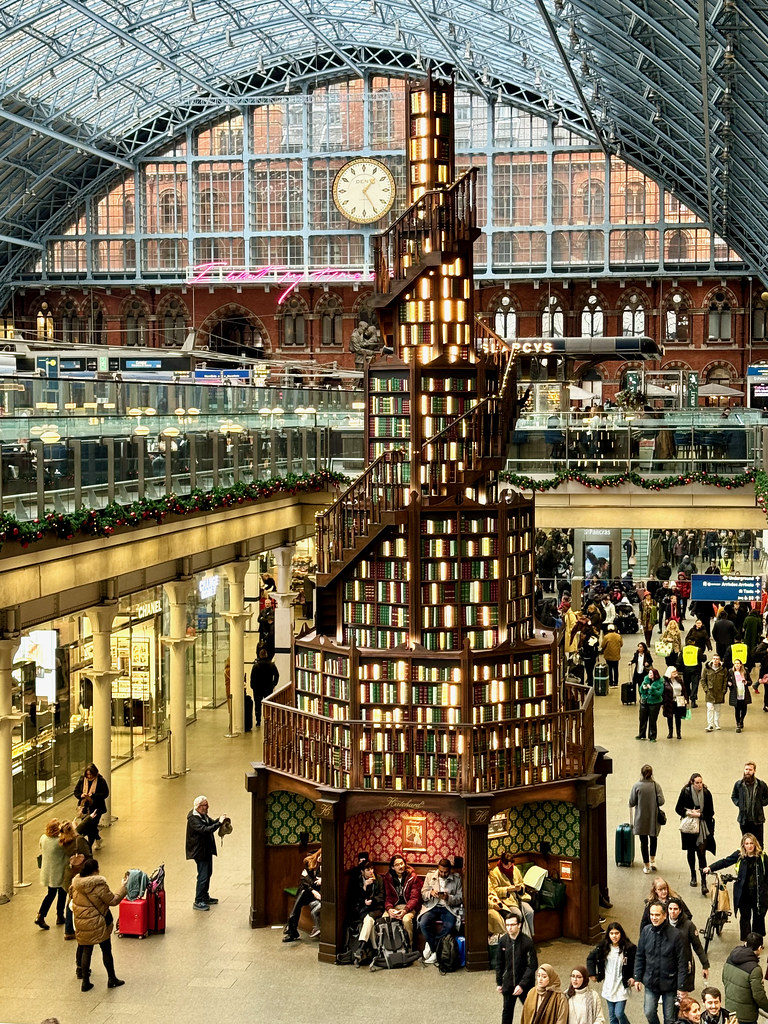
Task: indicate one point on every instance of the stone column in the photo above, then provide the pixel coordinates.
(177, 593)
(8, 647)
(237, 618)
(284, 610)
(101, 618)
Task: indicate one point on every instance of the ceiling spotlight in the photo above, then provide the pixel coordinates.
(287, 87)
(499, 94)
(467, 51)
(228, 37)
(537, 79)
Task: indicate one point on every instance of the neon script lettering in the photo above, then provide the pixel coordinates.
(218, 271)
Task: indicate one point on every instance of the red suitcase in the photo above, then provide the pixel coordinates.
(156, 907)
(133, 918)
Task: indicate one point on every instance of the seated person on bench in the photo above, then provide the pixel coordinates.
(508, 887)
(402, 893)
(443, 900)
(366, 903)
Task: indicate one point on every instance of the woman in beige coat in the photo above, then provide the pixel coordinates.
(91, 902)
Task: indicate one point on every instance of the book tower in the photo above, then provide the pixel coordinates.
(426, 683)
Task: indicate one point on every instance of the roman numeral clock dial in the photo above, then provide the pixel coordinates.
(364, 190)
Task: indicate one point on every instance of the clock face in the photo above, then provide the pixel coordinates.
(364, 190)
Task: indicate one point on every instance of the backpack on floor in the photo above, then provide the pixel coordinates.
(353, 947)
(448, 954)
(392, 946)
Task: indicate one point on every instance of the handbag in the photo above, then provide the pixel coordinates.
(661, 816)
(108, 918)
(76, 861)
(663, 647)
(689, 826)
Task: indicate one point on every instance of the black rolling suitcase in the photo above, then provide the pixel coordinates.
(625, 846)
(248, 709)
(628, 693)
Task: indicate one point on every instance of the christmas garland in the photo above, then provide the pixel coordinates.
(663, 483)
(89, 522)
(761, 490)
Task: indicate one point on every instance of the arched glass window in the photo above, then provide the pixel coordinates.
(71, 325)
(677, 318)
(294, 323)
(330, 323)
(95, 326)
(174, 324)
(44, 321)
(677, 246)
(719, 318)
(553, 319)
(634, 203)
(136, 324)
(505, 318)
(592, 319)
(559, 203)
(633, 318)
(129, 215)
(169, 206)
(759, 320)
(593, 202)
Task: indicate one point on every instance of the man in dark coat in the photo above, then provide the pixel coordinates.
(264, 678)
(750, 795)
(691, 943)
(201, 848)
(516, 965)
(660, 965)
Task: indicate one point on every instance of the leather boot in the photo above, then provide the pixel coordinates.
(704, 889)
(86, 985)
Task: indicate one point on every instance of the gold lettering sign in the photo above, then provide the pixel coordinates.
(406, 804)
(479, 815)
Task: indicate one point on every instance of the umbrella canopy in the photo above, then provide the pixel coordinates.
(719, 391)
(654, 391)
(580, 394)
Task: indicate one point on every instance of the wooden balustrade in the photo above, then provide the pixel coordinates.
(435, 222)
(430, 757)
(381, 489)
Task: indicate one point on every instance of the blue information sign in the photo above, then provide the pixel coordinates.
(726, 588)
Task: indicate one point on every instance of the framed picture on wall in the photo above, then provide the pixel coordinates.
(415, 832)
(498, 825)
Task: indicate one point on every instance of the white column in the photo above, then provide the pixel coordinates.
(284, 610)
(8, 648)
(237, 618)
(101, 618)
(177, 592)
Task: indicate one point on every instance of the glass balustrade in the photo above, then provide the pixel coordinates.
(65, 444)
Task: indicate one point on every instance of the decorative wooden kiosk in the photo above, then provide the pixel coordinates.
(428, 704)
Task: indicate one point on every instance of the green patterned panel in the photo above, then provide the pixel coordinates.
(552, 821)
(289, 814)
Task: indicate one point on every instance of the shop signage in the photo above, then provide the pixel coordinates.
(145, 610)
(207, 587)
(272, 273)
(531, 348)
(725, 588)
(411, 804)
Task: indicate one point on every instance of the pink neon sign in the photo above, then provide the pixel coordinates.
(215, 270)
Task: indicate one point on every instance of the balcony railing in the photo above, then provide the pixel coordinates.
(364, 755)
(680, 442)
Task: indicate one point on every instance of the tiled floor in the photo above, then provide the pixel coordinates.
(214, 967)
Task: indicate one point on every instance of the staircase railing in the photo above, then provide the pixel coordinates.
(466, 444)
(437, 218)
(383, 488)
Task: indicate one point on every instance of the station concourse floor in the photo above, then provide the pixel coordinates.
(214, 967)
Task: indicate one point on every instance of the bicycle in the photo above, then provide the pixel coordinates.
(720, 909)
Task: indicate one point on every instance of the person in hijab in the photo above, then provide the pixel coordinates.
(584, 1003)
(545, 1003)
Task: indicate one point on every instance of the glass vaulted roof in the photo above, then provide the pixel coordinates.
(677, 88)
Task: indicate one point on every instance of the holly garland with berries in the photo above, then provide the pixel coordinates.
(89, 522)
(656, 483)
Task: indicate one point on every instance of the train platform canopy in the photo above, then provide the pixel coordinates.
(677, 90)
